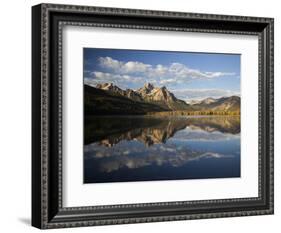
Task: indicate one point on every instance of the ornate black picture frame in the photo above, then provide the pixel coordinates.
(47, 23)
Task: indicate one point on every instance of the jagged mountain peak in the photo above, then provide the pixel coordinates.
(162, 93)
(149, 86)
(129, 93)
(146, 89)
(105, 86)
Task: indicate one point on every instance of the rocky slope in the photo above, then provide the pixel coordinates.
(162, 97)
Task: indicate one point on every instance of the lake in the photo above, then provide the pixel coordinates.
(145, 148)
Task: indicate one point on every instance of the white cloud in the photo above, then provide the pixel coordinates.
(123, 67)
(182, 71)
(174, 73)
(166, 81)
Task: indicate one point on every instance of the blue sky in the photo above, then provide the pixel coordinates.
(190, 76)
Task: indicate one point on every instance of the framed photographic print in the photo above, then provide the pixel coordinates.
(144, 116)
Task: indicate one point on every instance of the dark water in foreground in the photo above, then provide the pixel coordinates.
(131, 148)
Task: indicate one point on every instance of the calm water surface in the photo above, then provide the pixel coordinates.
(140, 148)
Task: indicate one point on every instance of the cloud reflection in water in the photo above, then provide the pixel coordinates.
(168, 143)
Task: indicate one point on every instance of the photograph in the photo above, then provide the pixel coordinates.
(160, 115)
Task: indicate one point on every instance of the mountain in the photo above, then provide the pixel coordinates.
(162, 97)
(116, 90)
(231, 103)
(108, 98)
(108, 102)
(146, 89)
(149, 94)
(131, 94)
(110, 87)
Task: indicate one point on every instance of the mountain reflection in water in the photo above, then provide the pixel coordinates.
(140, 148)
